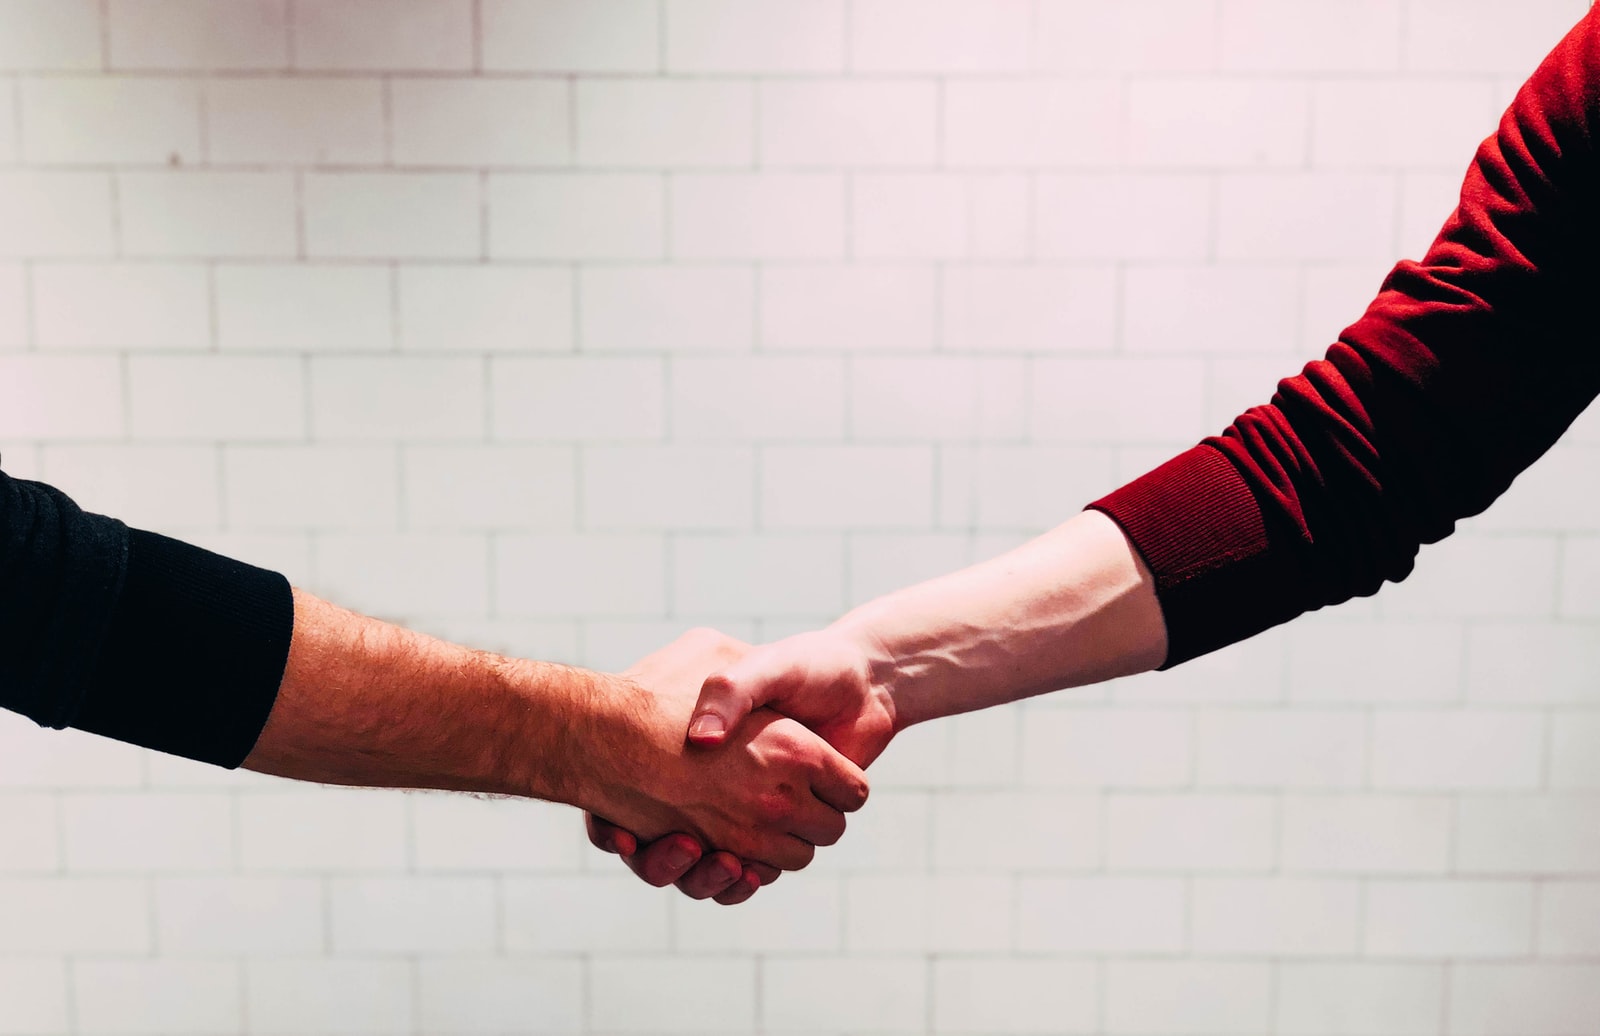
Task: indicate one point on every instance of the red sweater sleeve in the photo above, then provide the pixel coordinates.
(1461, 373)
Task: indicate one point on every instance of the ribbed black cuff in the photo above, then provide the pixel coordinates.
(194, 653)
(1221, 575)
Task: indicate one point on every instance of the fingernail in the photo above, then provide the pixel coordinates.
(707, 724)
(679, 857)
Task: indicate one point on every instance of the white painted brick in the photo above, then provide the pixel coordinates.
(689, 309)
(765, 36)
(1459, 919)
(888, 487)
(613, 645)
(460, 833)
(74, 915)
(549, 641)
(1307, 216)
(60, 397)
(589, 576)
(391, 398)
(419, 35)
(170, 488)
(1019, 487)
(1198, 833)
(1134, 35)
(204, 914)
(14, 303)
(1282, 917)
(883, 995)
(292, 488)
(35, 842)
(1281, 749)
(757, 574)
(1208, 309)
(1117, 748)
(380, 215)
(1569, 919)
(940, 216)
(982, 831)
(1197, 997)
(156, 997)
(1399, 661)
(198, 34)
(480, 122)
(1123, 216)
(50, 34)
(879, 563)
(850, 307)
(1302, 36)
(1468, 576)
(35, 995)
(478, 487)
(890, 838)
(9, 130)
(147, 832)
(933, 398)
(1099, 401)
(1575, 750)
(321, 997)
(1395, 122)
(1457, 749)
(233, 397)
(1250, 671)
(942, 35)
(485, 309)
(1426, 201)
(1580, 577)
(132, 307)
(576, 216)
(667, 995)
(855, 124)
(571, 35)
(757, 398)
(589, 399)
(498, 996)
(406, 574)
(653, 123)
(1217, 123)
(54, 214)
(41, 759)
(1523, 999)
(1359, 999)
(1017, 995)
(1042, 124)
(766, 216)
(411, 915)
(1516, 835)
(1528, 663)
(323, 830)
(1551, 495)
(1388, 834)
(106, 120)
(1030, 308)
(204, 213)
(914, 913)
(612, 912)
(1483, 36)
(1113, 914)
(304, 308)
(802, 915)
(308, 121)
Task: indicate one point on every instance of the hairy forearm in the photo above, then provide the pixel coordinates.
(364, 702)
(1072, 607)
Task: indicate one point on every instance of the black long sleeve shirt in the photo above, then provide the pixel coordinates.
(133, 635)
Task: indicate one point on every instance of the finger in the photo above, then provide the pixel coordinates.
(747, 885)
(817, 823)
(764, 871)
(723, 705)
(785, 852)
(608, 837)
(840, 783)
(666, 860)
(712, 876)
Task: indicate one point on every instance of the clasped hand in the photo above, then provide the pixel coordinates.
(817, 700)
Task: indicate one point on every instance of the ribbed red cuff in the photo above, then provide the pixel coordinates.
(1219, 576)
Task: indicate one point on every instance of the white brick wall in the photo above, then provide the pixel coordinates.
(559, 326)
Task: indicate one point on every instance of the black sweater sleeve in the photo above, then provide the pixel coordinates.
(133, 635)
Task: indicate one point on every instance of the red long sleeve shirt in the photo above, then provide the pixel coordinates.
(1462, 372)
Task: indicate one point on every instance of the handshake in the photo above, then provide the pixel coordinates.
(777, 737)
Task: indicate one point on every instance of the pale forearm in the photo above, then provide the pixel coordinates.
(1072, 607)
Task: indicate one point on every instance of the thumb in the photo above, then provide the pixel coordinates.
(725, 700)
